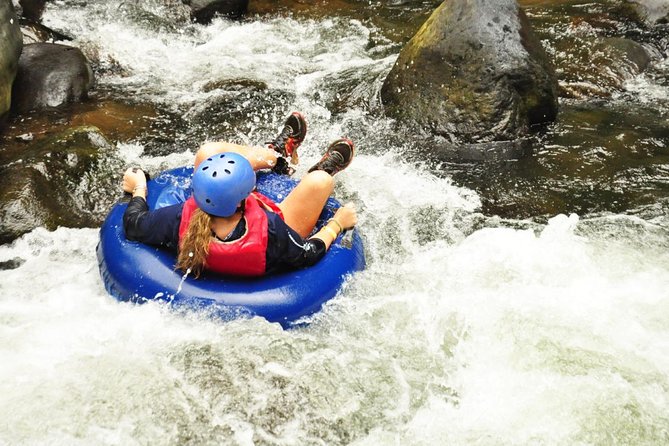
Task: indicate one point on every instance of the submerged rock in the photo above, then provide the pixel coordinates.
(602, 67)
(238, 107)
(34, 32)
(205, 10)
(50, 75)
(653, 11)
(474, 73)
(167, 16)
(70, 179)
(11, 43)
(595, 47)
(11, 263)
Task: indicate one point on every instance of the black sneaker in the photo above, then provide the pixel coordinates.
(291, 136)
(337, 157)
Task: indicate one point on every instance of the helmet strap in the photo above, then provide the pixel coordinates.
(242, 207)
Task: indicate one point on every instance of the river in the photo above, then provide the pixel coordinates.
(475, 323)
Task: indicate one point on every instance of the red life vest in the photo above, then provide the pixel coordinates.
(246, 255)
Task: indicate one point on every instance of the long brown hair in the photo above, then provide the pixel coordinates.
(194, 246)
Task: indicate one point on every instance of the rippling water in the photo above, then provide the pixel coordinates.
(466, 328)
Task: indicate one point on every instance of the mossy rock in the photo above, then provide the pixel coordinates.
(474, 73)
(70, 179)
(11, 44)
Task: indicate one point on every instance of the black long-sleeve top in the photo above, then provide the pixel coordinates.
(286, 249)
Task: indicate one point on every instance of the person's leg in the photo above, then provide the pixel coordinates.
(305, 203)
(259, 157)
(286, 144)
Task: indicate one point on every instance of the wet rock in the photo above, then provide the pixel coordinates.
(50, 75)
(32, 9)
(168, 16)
(273, 6)
(653, 11)
(474, 73)
(595, 47)
(34, 32)
(602, 67)
(70, 179)
(118, 121)
(11, 43)
(237, 108)
(235, 84)
(11, 263)
(205, 10)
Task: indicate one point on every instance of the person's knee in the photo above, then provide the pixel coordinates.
(320, 180)
(205, 151)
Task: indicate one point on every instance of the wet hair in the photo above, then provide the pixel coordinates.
(194, 247)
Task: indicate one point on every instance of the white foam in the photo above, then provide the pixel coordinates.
(453, 334)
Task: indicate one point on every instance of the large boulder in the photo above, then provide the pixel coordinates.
(50, 75)
(11, 43)
(204, 10)
(69, 179)
(474, 73)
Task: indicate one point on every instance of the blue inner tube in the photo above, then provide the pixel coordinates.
(139, 273)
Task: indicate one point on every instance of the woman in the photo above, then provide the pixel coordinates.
(227, 228)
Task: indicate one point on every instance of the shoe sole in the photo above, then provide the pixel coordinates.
(303, 122)
(293, 143)
(351, 145)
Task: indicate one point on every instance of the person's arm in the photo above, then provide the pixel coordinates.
(345, 218)
(134, 182)
(159, 227)
(259, 157)
(286, 248)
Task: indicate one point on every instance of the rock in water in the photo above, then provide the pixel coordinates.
(69, 179)
(11, 43)
(32, 9)
(653, 11)
(204, 10)
(50, 75)
(474, 73)
(34, 32)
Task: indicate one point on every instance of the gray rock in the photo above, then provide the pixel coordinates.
(32, 9)
(11, 43)
(70, 179)
(50, 75)
(474, 73)
(653, 11)
(602, 67)
(204, 10)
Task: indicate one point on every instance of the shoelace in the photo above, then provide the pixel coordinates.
(333, 163)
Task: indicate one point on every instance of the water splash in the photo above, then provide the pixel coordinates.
(464, 329)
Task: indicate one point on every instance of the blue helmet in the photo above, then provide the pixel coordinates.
(221, 182)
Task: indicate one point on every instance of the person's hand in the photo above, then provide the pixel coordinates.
(133, 179)
(346, 216)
